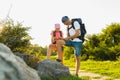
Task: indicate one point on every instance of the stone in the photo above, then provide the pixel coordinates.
(52, 69)
(13, 67)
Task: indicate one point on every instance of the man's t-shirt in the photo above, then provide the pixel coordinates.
(72, 31)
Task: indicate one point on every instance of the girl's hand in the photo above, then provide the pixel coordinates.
(55, 38)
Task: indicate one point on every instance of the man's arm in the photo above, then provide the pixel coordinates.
(77, 31)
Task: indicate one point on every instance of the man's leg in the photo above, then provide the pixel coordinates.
(60, 44)
(77, 51)
(77, 64)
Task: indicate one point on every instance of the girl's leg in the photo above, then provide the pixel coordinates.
(49, 51)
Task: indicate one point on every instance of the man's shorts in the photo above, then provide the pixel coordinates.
(76, 45)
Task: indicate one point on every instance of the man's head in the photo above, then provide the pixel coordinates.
(66, 20)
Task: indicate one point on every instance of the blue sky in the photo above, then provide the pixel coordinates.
(41, 15)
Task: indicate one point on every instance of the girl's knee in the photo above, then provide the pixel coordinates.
(50, 45)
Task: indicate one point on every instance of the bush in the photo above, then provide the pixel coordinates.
(84, 57)
(33, 60)
(115, 51)
(68, 53)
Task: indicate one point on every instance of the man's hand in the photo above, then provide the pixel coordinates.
(77, 33)
(67, 38)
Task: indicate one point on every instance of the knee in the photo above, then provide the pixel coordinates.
(58, 42)
(50, 46)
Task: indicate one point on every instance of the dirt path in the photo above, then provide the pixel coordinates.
(91, 76)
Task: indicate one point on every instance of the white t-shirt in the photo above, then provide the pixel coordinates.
(72, 31)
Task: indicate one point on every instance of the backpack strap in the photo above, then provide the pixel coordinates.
(73, 20)
(68, 30)
(82, 28)
(61, 34)
(54, 33)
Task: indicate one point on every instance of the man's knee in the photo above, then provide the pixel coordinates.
(60, 42)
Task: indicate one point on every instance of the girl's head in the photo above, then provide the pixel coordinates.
(57, 27)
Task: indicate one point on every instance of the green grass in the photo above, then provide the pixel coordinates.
(71, 77)
(107, 68)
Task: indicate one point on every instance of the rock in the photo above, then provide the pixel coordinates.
(13, 67)
(52, 69)
(26, 57)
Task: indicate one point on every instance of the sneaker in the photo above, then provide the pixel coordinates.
(58, 60)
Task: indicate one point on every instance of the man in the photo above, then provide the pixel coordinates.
(71, 40)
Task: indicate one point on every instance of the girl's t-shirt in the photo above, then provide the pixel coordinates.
(57, 34)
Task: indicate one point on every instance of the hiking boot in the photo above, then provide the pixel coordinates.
(58, 60)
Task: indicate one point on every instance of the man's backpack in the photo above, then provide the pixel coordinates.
(54, 33)
(82, 28)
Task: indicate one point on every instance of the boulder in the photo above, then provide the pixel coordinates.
(25, 57)
(13, 67)
(28, 59)
(52, 69)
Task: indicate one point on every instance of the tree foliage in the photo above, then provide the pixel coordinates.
(104, 46)
(17, 38)
(68, 52)
(15, 35)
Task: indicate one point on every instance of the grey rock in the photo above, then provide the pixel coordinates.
(13, 67)
(25, 57)
(52, 69)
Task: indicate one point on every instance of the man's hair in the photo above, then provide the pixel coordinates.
(65, 18)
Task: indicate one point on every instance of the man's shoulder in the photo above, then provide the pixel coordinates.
(76, 23)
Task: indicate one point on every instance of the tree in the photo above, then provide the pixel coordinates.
(112, 33)
(44, 50)
(105, 45)
(68, 52)
(15, 35)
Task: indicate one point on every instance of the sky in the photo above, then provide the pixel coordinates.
(41, 15)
